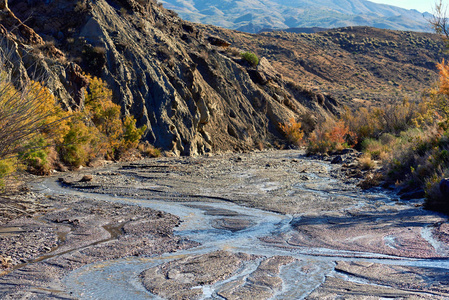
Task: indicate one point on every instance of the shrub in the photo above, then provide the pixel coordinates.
(319, 142)
(366, 162)
(149, 150)
(35, 156)
(131, 134)
(75, 149)
(293, 132)
(24, 114)
(117, 135)
(33, 127)
(251, 58)
(7, 167)
(328, 138)
(364, 124)
(434, 198)
(380, 149)
(30, 120)
(341, 136)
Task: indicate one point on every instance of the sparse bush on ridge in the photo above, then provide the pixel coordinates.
(251, 58)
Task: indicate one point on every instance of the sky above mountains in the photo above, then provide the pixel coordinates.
(256, 15)
(420, 5)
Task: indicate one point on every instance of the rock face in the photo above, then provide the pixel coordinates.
(444, 187)
(194, 95)
(26, 56)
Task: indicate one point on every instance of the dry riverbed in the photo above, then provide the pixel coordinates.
(271, 224)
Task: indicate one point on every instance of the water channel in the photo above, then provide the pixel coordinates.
(229, 207)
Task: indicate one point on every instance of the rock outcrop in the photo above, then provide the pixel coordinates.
(26, 56)
(193, 94)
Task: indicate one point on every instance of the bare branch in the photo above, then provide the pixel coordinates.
(439, 20)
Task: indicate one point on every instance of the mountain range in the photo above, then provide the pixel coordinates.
(256, 15)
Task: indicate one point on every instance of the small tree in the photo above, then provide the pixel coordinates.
(439, 21)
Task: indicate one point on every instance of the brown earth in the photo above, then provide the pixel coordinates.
(357, 66)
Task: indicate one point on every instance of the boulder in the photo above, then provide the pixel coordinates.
(87, 178)
(444, 187)
(337, 160)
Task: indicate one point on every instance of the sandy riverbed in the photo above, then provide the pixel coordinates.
(263, 225)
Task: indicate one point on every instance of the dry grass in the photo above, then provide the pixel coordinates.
(371, 180)
(148, 150)
(366, 162)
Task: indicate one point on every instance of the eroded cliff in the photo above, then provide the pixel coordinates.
(194, 95)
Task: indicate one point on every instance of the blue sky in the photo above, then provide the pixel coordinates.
(420, 5)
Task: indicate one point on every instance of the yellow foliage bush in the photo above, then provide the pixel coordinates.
(25, 114)
(293, 132)
(35, 130)
(117, 134)
(30, 122)
(7, 167)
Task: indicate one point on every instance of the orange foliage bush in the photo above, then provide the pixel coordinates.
(293, 132)
(335, 137)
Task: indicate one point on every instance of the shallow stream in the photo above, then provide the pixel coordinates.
(367, 228)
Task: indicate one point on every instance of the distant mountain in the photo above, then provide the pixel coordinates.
(256, 15)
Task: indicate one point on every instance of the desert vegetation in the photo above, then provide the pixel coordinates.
(251, 58)
(39, 136)
(410, 140)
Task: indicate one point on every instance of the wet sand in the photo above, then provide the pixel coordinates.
(266, 225)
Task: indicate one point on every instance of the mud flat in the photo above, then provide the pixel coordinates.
(265, 225)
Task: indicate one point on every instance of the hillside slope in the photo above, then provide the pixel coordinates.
(194, 92)
(255, 15)
(193, 97)
(355, 64)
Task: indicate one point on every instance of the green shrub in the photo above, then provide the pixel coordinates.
(35, 156)
(7, 167)
(76, 147)
(132, 134)
(251, 58)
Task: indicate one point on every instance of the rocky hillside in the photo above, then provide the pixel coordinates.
(172, 76)
(255, 15)
(189, 84)
(355, 65)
